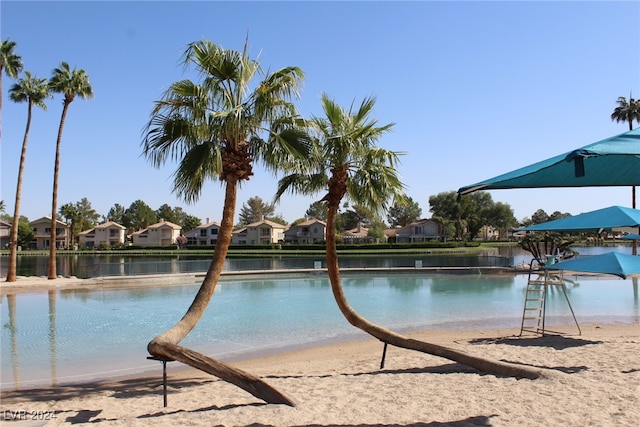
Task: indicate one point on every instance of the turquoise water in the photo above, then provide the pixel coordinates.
(81, 335)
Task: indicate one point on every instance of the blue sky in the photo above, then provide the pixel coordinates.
(475, 89)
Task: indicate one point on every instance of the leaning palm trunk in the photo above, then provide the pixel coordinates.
(390, 337)
(166, 345)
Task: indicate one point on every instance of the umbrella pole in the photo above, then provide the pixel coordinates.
(634, 244)
(564, 290)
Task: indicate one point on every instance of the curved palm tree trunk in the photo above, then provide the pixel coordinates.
(166, 345)
(13, 240)
(52, 244)
(390, 337)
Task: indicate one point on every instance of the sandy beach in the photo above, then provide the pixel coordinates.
(593, 379)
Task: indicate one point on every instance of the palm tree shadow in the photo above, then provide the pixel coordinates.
(205, 409)
(479, 421)
(121, 389)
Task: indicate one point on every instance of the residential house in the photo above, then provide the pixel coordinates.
(205, 234)
(164, 233)
(357, 235)
(42, 234)
(263, 232)
(5, 234)
(309, 231)
(106, 234)
(418, 231)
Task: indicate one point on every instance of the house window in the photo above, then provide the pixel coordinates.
(214, 231)
(265, 232)
(113, 233)
(203, 233)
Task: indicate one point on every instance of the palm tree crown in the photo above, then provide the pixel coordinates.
(30, 89)
(70, 83)
(627, 111)
(359, 171)
(10, 62)
(215, 128)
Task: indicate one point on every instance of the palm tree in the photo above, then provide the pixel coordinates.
(367, 175)
(34, 91)
(628, 112)
(70, 83)
(10, 63)
(214, 130)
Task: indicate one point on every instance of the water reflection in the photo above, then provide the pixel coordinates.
(13, 328)
(53, 358)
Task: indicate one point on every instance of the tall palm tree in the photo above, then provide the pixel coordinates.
(11, 63)
(33, 91)
(70, 83)
(628, 112)
(216, 129)
(348, 164)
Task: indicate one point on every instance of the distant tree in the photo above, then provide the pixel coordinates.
(539, 217)
(558, 215)
(627, 111)
(254, 210)
(25, 232)
(376, 229)
(166, 213)
(355, 216)
(2, 206)
(138, 216)
(80, 216)
(446, 210)
(471, 213)
(189, 222)
(11, 63)
(70, 83)
(71, 216)
(116, 214)
(401, 214)
(34, 91)
(317, 210)
(500, 216)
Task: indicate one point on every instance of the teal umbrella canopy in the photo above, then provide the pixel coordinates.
(615, 263)
(606, 219)
(614, 161)
(631, 236)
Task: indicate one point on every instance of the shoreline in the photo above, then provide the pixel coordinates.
(596, 381)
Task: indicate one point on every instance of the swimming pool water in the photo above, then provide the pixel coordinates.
(66, 336)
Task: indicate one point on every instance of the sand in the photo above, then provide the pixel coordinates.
(593, 380)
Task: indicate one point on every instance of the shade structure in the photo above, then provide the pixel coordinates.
(631, 236)
(615, 263)
(613, 161)
(606, 218)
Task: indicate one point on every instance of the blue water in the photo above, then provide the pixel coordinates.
(81, 335)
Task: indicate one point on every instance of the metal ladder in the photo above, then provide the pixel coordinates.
(533, 314)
